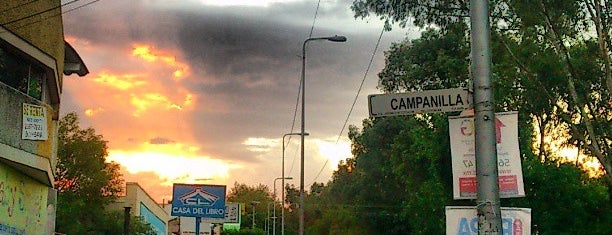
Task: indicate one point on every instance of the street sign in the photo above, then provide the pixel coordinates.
(198, 200)
(232, 215)
(432, 101)
(463, 220)
(462, 141)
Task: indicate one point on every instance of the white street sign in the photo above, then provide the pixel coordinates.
(432, 101)
(463, 220)
(462, 141)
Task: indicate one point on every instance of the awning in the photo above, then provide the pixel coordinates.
(73, 62)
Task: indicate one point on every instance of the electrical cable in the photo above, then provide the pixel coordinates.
(38, 13)
(67, 11)
(18, 6)
(300, 86)
(354, 101)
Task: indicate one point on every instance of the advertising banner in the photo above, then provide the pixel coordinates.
(198, 200)
(34, 122)
(462, 141)
(463, 220)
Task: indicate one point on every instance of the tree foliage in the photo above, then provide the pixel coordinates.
(255, 199)
(86, 183)
(554, 52)
(549, 64)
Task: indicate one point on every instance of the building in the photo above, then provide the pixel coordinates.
(141, 204)
(33, 59)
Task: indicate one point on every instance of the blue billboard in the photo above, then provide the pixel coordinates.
(198, 200)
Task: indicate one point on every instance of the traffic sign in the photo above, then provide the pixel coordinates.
(432, 101)
(198, 200)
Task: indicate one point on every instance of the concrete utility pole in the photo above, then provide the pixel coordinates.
(489, 212)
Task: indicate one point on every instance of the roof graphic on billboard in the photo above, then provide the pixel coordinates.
(198, 197)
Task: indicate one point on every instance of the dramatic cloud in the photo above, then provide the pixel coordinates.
(199, 89)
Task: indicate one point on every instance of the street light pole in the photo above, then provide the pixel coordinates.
(283, 182)
(253, 203)
(274, 209)
(333, 39)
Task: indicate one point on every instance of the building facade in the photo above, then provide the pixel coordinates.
(33, 59)
(141, 204)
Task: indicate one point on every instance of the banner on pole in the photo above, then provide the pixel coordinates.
(463, 220)
(462, 141)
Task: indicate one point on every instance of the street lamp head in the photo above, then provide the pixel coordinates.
(337, 38)
(254, 202)
(289, 178)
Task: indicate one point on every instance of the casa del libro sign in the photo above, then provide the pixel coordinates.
(432, 101)
(198, 200)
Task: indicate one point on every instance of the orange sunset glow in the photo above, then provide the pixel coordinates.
(127, 101)
(206, 90)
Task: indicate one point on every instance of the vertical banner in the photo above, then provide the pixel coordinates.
(462, 220)
(462, 141)
(34, 126)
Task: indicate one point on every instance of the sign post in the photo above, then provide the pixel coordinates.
(199, 201)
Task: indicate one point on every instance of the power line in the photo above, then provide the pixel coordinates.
(300, 86)
(20, 5)
(38, 13)
(56, 15)
(315, 18)
(354, 101)
(73, 9)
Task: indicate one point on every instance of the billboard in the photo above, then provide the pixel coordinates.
(462, 141)
(463, 220)
(198, 200)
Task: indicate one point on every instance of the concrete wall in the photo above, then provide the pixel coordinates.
(27, 197)
(23, 203)
(44, 31)
(142, 205)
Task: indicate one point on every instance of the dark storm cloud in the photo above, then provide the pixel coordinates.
(248, 61)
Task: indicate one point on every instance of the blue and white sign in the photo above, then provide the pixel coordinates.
(198, 200)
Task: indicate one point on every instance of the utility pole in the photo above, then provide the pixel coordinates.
(489, 212)
(126, 220)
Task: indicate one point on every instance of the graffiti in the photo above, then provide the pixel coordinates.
(21, 203)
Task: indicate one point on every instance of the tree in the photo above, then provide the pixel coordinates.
(553, 52)
(242, 193)
(86, 183)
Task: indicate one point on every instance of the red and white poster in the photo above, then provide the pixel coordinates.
(462, 220)
(462, 141)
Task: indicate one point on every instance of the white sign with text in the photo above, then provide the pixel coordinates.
(34, 125)
(462, 141)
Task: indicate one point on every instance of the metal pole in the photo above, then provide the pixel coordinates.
(283, 191)
(268, 218)
(283, 182)
(198, 220)
(274, 208)
(126, 220)
(253, 227)
(489, 212)
(302, 206)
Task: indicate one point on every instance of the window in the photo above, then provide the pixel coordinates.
(21, 74)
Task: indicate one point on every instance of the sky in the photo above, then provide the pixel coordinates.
(189, 91)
